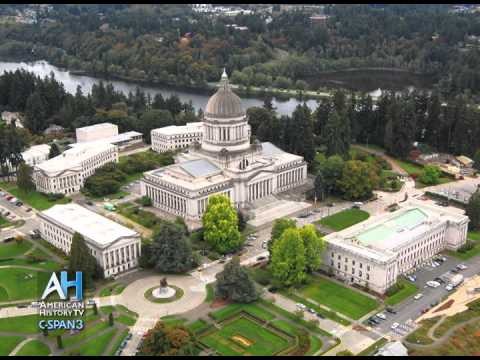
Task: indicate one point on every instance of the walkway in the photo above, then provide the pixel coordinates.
(19, 346)
(390, 160)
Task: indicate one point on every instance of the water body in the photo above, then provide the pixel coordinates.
(199, 101)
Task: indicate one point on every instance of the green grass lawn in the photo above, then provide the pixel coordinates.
(262, 341)
(15, 284)
(416, 170)
(35, 199)
(338, 298)
(231, 309)
(373, 348)
(8, 343)
(4, 222)
(97, 345)
(210, 293)
(118, 340)
(27, 324)
(408, 289)
(34, 348)
(12, 249)
(85, 333)
(344, 219)
(419, 336)
(473, 236)
(114, 289)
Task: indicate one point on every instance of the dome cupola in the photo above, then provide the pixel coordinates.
(224, 103)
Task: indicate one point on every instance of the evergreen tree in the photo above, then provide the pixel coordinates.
(476, 159)
(170, 250)
(336, 134)
(35, 113)
(24, 178)
(54, 151)
(235, 284)
(473, 211)
(81, 259)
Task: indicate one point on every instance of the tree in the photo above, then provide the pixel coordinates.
(279, 226)
(319, 186)
(288, 258)
(473, 211)
(476, 159)
(314, 246)
(220, 223)
(59, 342)
(167, 340)
(170, 250)
(35, 113)
(336, 134)
(110, 319)
(358, 180)
(430, 175)
(54, 151)
(81, 259)
(145, 201)
(235, 284)
(24, 178)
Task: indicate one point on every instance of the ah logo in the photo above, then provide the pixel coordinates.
(62, 287)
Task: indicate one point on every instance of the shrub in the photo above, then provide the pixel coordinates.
(469, 245)
(145, 201)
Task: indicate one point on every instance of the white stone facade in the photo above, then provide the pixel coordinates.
(34, 155)
(175, 137)
(224, 163)
(96, 132)
(67, 172)
(116, 248)
(376, 252)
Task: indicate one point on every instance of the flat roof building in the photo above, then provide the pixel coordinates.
(176, 137)
(116, 247)
(96, 132)
(67, 172)
(375, 252)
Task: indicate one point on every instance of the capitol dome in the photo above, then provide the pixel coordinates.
(224, 103)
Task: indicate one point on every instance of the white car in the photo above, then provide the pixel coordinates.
(433, 284)
(381, 316)
(394, 326)
(462, 267)
(301, 306)
(418, 296)
(449, 287)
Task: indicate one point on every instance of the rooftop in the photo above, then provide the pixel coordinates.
(92, 226)
(224, 103)
(182, 129)
(42, 149)
(97, 127)
(198, 168)
(73, 157)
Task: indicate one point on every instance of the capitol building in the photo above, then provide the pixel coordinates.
(225, 161)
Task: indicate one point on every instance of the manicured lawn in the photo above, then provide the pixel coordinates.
(20, 284)
(97, 345)
(27, 324)
(210, 293)
(198, 325)
(85, 333)
(259, 340)
(35, 199)
(344, 219)
(419, 336)
(116, 344)
(408, 289)
(8, 343)
(41, 265)
(113, 289)
(34, 348)
(231, 309)
(373, 348)
(4, 222)
(12, 249)
(473, 236)
(149, 295)
(338, 298)
(417, 170)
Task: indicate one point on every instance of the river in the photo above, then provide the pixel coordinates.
(371, 81)
(71, 81)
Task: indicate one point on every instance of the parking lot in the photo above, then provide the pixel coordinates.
(410, 309)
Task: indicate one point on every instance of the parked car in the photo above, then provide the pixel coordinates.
(418, 296)
(394, 325)
(381, 316)
(320, 316)
(19, 203)
(462, 267)
(411, 278)
(331, 204)
(312, 311)
(301, 306)
(28, 209)
(390, 310)
(261, 258)
(439, 280)
(449, 287)
(433, 284)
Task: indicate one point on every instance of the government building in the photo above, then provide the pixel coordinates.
(223, 162)
(174, 137)
(116, 247)
(67, 172)
(375, 252)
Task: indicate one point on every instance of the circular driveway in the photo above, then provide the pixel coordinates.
(133, 296)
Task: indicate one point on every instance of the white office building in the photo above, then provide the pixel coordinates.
(375, 252)
(106, 132)
(116, 247)
(34, 155)
(224, 163)
(67, 172)
(170, 138)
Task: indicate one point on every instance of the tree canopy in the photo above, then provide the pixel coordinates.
(234, 283)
